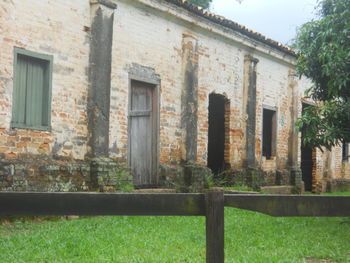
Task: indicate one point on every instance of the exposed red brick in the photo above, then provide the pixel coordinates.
(11, 155)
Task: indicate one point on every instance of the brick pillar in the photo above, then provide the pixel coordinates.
(102, 168)
(189, 98)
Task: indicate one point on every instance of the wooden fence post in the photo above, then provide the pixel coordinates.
(215, 227)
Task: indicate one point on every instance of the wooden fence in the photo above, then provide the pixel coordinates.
(211, 205)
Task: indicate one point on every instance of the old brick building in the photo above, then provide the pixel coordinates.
(154, 83)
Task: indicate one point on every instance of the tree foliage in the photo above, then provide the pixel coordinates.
(203, 3)
(324, 57)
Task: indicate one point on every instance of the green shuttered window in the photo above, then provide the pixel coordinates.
(32, 90)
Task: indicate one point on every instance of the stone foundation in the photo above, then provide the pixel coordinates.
(44, 175)
(256, 178)
(50, 175)
(189, 177)
(338, 185)
(103, 174)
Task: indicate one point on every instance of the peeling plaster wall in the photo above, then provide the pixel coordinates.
(273, 91)
(154, 39)
(144, 38)
(55, 28)
(45, 30)
(226, 59)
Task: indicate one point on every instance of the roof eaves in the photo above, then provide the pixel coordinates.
(232, 25)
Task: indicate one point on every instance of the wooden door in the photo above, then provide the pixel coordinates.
(142, 133)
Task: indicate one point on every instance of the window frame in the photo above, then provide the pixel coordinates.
(274, 131)
(48, 74)
(345, 155)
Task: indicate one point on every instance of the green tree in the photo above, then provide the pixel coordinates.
(203, 3)
(324, 58)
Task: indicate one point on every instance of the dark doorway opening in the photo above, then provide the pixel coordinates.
(307, 161)
(216, 132)
(269, 133)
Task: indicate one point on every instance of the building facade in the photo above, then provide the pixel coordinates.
(85, 85)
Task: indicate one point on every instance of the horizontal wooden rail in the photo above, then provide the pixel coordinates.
(292, 205)
(30, 203)
(210, 205)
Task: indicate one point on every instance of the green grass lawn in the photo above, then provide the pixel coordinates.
(337, 193)
(249, 237)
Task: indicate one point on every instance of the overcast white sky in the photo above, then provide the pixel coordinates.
(276, 19)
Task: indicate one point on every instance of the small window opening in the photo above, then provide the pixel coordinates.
(269, 133)
(345, 152)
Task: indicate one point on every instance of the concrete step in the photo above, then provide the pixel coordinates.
(168, 190)
(278, 189)
(154, 190)
(222, 189)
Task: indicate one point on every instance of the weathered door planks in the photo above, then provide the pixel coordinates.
(142, 133)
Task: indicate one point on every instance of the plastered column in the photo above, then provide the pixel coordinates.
(102, 16)
(250, 65)
(293, 142)
(102, 169)
(189, 98)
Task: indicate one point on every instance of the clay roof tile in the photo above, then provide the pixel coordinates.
(232, 25)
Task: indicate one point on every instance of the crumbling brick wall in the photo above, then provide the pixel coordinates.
(189, 55)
